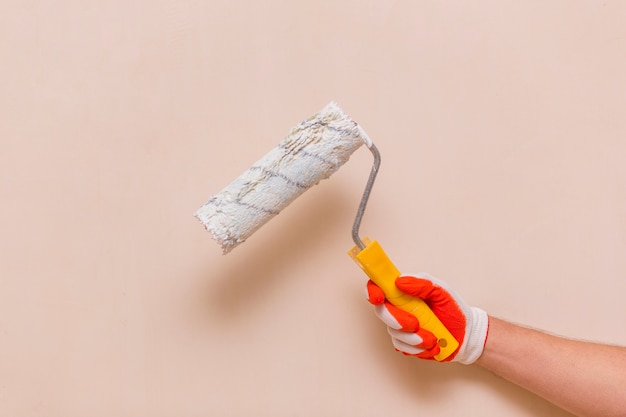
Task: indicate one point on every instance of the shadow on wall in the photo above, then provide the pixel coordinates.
(261, 265)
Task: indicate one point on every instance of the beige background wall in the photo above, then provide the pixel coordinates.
(503, 133)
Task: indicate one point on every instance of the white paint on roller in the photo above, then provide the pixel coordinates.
(312, 151)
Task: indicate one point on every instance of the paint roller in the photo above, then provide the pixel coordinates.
(312, 151)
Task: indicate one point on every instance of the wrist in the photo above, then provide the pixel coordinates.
(475, 337)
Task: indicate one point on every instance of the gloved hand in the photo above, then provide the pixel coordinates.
(468, 325)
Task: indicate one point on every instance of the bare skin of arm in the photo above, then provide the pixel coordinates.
(586, 379)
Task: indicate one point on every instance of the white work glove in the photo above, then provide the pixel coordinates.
(468, 325)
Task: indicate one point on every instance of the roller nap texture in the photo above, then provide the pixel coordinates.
(312, 151)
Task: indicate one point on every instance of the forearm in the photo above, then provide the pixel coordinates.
(586, 379)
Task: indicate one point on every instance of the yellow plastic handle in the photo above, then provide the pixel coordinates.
(379, 268)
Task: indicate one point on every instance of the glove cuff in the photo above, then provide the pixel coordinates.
(475, 337)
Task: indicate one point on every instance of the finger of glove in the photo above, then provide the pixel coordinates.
(410, 350)
(396, 318)
(406, 348)
(375, 294)
(410, 338)
(429, 354)
(421, 338)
